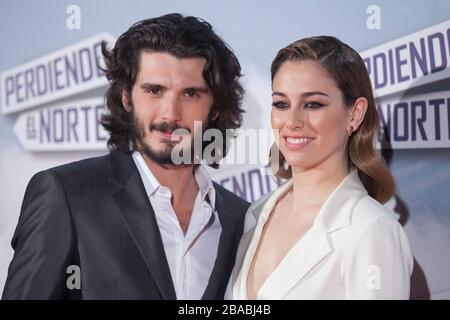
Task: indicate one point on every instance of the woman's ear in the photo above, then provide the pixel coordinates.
(126, 100)
(357, 113)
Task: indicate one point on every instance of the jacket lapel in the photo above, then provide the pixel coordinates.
(303, 257)
(223, 264)
(128, 193)
(257, 214)
(315, 245)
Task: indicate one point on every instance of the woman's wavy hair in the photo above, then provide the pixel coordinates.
(348, 71)
(182, 37)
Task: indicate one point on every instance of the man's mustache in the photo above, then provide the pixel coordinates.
(166, 126)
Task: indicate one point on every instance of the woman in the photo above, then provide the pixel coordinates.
(324, 234)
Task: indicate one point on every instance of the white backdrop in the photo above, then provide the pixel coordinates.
(255, 30)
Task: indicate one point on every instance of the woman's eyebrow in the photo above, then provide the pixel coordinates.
(304, 94)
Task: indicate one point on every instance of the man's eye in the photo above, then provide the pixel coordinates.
(153, 90)
(280, 105)
(191, 93)
(313, 105)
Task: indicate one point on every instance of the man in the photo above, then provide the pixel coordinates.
(134, 224)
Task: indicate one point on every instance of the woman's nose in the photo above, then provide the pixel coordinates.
(295, 119)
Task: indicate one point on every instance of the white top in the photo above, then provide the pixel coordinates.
(355, 249)
(191, 257)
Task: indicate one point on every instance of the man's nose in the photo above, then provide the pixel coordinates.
(171, 109)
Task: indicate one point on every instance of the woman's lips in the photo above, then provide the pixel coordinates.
(296, 142)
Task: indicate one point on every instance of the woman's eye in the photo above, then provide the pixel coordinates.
(313, 105)
(280, 105)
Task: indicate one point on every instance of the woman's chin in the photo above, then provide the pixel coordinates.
(300, 165)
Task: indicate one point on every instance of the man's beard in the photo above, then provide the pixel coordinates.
(163, 156)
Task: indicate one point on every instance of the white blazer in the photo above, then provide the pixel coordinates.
(355, 249)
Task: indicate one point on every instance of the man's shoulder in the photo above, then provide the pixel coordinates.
(231, 199)
(82, 177)
(76, 173)
(89, 167)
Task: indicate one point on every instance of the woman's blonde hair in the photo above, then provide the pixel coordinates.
(347, 69)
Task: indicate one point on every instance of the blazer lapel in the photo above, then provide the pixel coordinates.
(315, 245)
(223, 264)
(257, 215)
(303, 257)
(132, 201)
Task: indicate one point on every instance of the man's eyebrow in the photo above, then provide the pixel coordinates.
(199, 89)
(304, 94)
(148, 85)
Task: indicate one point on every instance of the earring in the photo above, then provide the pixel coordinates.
(350, 131)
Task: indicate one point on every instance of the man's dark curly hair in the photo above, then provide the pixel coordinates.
(182, 37)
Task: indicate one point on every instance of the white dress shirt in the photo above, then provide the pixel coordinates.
(191, 257)
(355, 249)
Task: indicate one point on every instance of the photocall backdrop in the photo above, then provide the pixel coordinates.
(51, 97)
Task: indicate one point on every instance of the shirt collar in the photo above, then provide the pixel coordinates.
(205, 185)
(151, 184)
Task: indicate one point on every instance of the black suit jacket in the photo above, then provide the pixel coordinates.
(95, 214)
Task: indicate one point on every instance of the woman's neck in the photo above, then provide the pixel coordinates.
(314, 186)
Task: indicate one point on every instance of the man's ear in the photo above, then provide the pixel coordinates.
(126, 100)
(215, 115)
(357, 112)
